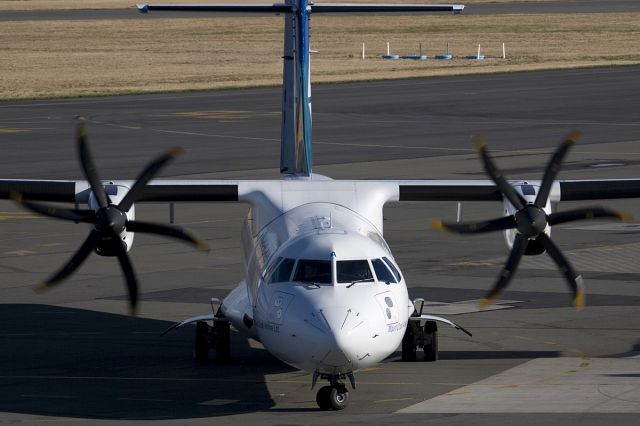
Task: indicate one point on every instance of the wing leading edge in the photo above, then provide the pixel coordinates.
(77, 191)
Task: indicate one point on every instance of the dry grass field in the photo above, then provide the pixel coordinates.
(42, 59)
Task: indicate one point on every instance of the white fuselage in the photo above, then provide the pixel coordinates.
(299, 297)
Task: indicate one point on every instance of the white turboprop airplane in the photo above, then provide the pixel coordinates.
(322, 290)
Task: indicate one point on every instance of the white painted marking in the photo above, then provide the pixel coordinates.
(213, 135)
(122, 126)
(607, 165)
(547, 385)
(381, 146)
(20, 252)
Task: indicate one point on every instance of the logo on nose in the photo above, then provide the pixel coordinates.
(279, 304)
(389, 308)
(389, 303)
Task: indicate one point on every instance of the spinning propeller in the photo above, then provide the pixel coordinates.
(531, 221)
(109, 220)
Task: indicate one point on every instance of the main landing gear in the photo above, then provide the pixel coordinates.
(217, 338)
(425, 337)
(335, 396)
(417, 335)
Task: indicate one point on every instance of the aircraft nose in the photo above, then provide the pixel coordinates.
(347, 338)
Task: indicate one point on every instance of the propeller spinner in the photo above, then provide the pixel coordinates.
(109, 220)
(530, 222)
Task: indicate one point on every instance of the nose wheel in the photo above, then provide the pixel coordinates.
(333, 397)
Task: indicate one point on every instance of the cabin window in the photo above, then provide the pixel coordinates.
(283, 271)
(313, 271)
(349, 271)
(395, 271)
(382, 271)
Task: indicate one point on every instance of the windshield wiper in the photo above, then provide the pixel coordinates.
(364, 280)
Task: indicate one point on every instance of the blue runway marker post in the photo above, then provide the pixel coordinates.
(445, 56)
(477, 57)
(389, 55)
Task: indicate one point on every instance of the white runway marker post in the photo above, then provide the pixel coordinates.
(504, 52)
(388, 51)
(363, 51)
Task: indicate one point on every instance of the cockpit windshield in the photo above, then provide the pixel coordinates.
(313, 271)
(395, 271)
(320, 271)
(382, 271)
(283, 271)
(349, 271)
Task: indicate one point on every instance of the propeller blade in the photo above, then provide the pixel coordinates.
(496, 175)
(76, 260)
(586, 213)
(129, 275)
(519, 247)
(147, 174)
(575, 281)
(86, 216)
(89, 168)
(167, 231)
(553, 168)
(507, 222)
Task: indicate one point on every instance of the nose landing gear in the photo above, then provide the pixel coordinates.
(335, 396)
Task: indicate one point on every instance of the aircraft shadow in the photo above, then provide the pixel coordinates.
(461, 355)
(84, 364)
(471, 354)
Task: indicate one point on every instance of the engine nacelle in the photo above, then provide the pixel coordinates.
(528, 191)
(116, 193)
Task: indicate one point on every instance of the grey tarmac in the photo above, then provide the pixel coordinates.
(72, 356)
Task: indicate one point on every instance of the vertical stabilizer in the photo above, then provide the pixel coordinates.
(296, 155)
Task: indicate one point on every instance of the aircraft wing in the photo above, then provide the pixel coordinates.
(478, 190)
(77, 191)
